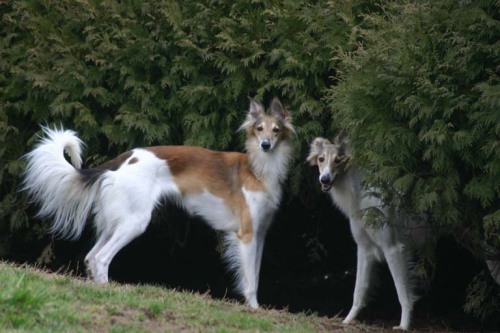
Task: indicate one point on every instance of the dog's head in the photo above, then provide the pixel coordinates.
(268, 129)
(332, 160)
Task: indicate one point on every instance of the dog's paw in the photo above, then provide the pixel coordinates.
(254, 305)
(353, 313)
(89, 270)
(251, 301)
(401, 328)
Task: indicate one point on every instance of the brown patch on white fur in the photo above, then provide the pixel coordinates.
(90, 175)
(133, 160)
(223, 174)
(226, 174)
(115, 163)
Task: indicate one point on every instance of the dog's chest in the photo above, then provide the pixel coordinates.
(345, 199)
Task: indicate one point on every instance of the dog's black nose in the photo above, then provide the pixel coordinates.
(325, 179)
(265, 144)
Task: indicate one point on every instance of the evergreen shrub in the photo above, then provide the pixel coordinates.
(136, 73)
(420, 98)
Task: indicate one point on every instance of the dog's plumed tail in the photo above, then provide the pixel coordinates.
(57, 185)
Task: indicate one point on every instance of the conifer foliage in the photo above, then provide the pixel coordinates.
(420, 97)
(135, 73)
(414, 83)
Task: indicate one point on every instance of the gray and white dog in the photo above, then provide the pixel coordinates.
(388, 242)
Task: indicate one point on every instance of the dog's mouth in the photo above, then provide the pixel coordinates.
(327, 181)
(326, 187)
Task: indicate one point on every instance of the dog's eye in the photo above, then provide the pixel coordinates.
(276, 130)
(337, 160)
(321, 159)
(259, 129)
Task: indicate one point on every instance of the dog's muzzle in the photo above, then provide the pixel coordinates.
(326, 182)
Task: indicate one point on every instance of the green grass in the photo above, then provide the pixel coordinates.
(32, 300)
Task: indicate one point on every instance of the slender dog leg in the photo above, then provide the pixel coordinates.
(397, 265)
(364, 270)
(90, 262)
(249, 261)
(123, 234)
(260, 236)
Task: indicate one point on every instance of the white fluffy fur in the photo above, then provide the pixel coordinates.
(50, 180)
(270, 168)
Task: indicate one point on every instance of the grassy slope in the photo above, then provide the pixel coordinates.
(33, 300)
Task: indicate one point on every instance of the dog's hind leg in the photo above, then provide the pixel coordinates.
(125, 231)
(366, 260)
(90, 262)
(396, 260)
(102, 238)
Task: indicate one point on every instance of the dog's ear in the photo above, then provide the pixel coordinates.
(279, 110)
(315, 148)
(340, 138)
(342, 143)
(256, 109)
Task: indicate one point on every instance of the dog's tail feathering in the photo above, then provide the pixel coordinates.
(57, 185)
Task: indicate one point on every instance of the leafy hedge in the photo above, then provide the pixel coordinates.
(415, 83)
(140, 73)
(420, 97)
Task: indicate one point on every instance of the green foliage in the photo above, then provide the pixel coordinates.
(415, 84)
(138, 73)
(420, 98)
(479, 301)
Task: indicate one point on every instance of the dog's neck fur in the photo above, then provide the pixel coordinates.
(345, 192)
(270, 167)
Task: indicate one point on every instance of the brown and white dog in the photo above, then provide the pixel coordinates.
(233, 192)
(390, 242)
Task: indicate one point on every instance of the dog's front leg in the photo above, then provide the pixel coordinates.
(249, 261)
(364, 269)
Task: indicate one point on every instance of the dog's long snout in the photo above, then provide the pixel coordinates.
(265, 144)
